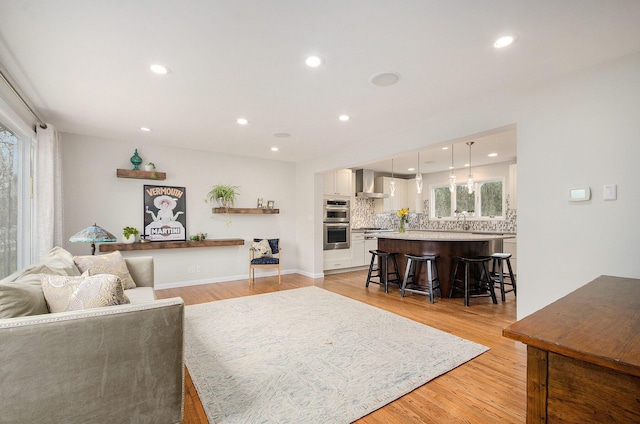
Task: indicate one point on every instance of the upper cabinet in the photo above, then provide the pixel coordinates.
(391, 203)
(338, 183)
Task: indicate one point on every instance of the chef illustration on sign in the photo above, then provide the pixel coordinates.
(165, 222)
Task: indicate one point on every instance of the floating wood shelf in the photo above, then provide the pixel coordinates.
(255, 211)
(111, 247)
(141, 175)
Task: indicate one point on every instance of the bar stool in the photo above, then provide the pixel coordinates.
(498, 276)
(410, 283)
(382, 272)
(484, 283)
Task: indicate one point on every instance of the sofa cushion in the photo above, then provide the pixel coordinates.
(112, 263)
(140, 294)
(64, 293)
(21, 292)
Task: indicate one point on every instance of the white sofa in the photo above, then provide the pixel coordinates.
(116, 364)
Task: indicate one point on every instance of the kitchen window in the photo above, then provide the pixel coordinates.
(486, 201)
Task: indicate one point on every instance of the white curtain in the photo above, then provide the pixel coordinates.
(47, 187)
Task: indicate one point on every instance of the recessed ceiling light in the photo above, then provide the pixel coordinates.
(445, 148)
(411, 169)
(503, 41)
(344, 117)
(385, 79)
(492, 155)
(466, 165)
(281, 134)
(242, 121)
(451, 167)
(274, 149)
(158, 69)
(145, 129)
(314, 61)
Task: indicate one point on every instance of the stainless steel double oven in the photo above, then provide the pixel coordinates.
(336, 226)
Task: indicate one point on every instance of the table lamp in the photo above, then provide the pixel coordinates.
(92, 234)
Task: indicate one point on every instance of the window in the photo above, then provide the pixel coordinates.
(9, 201)
(487, 200)
(15, 194)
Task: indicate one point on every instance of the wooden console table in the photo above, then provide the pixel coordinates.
(110, 247)
(583, 355)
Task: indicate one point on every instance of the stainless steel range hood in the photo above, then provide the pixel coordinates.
(365, 184)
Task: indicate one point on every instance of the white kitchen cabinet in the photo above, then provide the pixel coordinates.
(337, 259)
(338, 183)
(391, 203)
(369, 244)
(357, 249)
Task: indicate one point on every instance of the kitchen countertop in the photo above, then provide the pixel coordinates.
(442, 236)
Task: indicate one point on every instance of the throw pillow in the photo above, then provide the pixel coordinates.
(65, 293)
(21, 292)
(261, 249)
(112, 263)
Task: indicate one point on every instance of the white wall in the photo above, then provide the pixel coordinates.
(92, 193)
(580, 130)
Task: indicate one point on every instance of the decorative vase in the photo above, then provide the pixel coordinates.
(136, 161)
(130, 239)
(148, 168)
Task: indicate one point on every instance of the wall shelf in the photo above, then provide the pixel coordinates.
(255, 211)
(111, 247)
(141, 175)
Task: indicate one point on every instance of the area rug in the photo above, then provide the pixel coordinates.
(309, 356)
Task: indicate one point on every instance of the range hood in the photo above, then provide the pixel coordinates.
(365, 183)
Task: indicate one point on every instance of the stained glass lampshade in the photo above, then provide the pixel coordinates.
(92, 234)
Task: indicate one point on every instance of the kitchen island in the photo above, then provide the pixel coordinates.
(444, 243)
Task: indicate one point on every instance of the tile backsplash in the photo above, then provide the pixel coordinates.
(363, 215)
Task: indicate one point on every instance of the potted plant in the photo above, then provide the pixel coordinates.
(130, 234)
(225, 195)
(150, 166)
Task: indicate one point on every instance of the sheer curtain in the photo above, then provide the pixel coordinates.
(47, 186)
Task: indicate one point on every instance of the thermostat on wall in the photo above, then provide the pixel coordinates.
(579, 194)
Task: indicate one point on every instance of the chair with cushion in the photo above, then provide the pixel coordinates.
(264, 253)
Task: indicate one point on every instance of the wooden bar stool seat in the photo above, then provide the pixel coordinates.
(483, 284)
(381, 271)
(499, 276)
(410, 282)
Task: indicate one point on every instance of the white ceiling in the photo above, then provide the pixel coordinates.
(85, 64)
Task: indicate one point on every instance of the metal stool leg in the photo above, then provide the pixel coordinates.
(406, 277)
(373, 258)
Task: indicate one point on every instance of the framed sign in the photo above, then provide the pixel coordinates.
(165, 213)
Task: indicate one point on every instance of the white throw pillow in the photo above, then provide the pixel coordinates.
(261, 249)
(64, 293)
(112, 263)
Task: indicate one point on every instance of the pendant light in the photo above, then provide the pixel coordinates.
(419, 177)
(470, 182)
(452, 177)
(392, 184)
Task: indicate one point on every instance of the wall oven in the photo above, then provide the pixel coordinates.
(336, 227)
(337, 235)
(336, 211)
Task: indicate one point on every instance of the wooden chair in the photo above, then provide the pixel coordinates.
(259, 258)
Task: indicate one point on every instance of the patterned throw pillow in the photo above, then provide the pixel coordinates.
(64, 293)
(261, 249)
(112, 263)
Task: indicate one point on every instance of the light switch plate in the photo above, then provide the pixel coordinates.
(610, 191)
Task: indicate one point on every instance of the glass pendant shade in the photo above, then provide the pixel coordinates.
(452, 182)
(392, 184)
(470, 178)
(419, 183)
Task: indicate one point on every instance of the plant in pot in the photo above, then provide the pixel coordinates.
(130, 234)
(225, 195)
(151, 167)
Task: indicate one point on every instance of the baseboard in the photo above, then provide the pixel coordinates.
(213, 280)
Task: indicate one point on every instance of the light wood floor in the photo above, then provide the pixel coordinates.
(488, 389)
